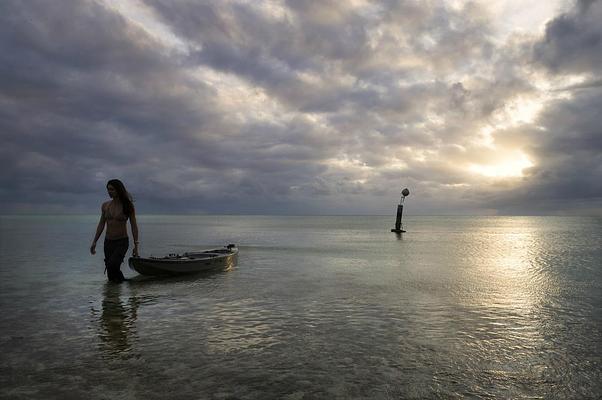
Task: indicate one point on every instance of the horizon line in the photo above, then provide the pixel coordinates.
(298, 215)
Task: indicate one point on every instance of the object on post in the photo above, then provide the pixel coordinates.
(398, 224)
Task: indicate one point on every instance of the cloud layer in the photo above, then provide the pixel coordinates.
(298, 107)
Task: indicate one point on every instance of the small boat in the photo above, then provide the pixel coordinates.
(187, 263)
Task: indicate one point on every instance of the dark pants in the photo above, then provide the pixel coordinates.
(114, 254)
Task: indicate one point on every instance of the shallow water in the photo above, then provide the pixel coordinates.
(317, 308)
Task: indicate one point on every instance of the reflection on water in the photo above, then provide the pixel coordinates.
(117, 320)
(497, 308)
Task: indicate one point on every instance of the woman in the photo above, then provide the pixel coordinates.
(114, 214)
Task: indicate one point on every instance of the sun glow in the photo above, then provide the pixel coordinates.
(507, 169)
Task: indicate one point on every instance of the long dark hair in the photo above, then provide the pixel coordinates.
(124, 197)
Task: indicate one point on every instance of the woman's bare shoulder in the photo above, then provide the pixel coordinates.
(105, 205)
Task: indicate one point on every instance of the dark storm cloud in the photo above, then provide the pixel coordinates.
(297, 106)
(87, 96)
(573, 41)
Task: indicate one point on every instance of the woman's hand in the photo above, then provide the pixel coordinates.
(135, 250)
(93, 248)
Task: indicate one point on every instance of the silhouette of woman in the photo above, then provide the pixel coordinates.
(114, 214)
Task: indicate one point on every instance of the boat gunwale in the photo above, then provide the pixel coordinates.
(153, 260)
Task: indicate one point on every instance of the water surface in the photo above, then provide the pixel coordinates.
(317, 308)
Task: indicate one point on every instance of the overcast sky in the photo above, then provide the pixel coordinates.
(302, 107)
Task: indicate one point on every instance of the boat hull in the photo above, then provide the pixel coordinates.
(188, 263)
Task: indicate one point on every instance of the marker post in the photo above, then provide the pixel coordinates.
(398, 224)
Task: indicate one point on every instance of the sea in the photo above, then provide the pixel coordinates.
(318, 307)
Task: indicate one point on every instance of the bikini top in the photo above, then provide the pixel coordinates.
(116, 217)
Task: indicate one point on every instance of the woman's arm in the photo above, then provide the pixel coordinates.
(99, 229)
(134, 226)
